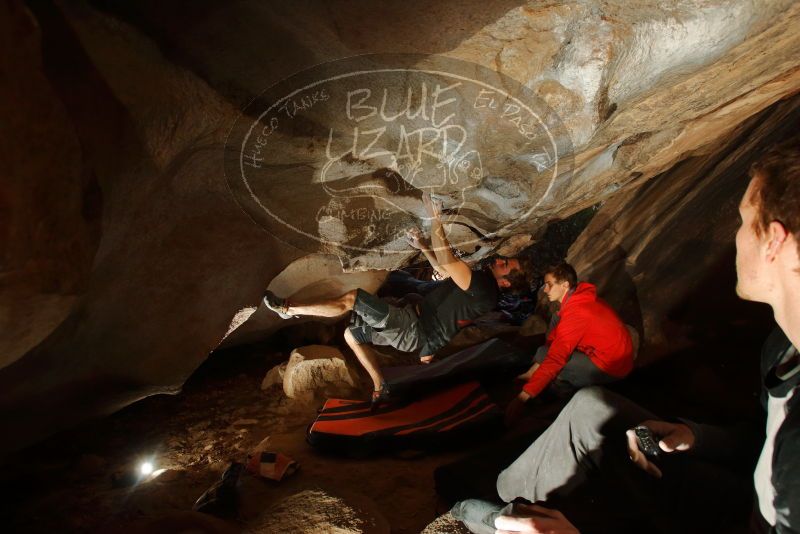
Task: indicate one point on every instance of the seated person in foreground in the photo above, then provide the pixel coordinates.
(673, 490)
(421, 328)
(587, 343)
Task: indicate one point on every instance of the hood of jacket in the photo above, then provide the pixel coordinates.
(584, 292)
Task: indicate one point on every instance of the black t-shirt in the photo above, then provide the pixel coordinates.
(785, 459)
(445, 306)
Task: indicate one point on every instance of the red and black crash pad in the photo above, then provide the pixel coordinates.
(351, 427)
(491, 359)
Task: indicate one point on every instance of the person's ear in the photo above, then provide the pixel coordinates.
(776, 237)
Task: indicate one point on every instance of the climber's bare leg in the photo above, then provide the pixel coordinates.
(367, 357)
(326, 308)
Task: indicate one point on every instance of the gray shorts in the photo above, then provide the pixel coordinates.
(579, 372)
(377, 322)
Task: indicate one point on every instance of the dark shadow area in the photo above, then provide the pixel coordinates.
(107, 145)
(696, 494)
(552, 247)
(275, 40)
(64, 484)
(617, 287)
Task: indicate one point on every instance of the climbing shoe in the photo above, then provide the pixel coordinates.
(222, 498)
(380, 396)
(277, 304)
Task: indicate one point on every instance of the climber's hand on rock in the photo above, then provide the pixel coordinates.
(432, 206)
(415, 238)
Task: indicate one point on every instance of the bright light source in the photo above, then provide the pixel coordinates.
(146, 468)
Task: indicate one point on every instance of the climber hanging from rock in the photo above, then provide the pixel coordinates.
(427, 325)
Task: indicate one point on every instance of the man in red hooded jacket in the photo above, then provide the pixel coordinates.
(587, 343)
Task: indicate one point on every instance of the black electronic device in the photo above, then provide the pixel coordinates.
(647, 442)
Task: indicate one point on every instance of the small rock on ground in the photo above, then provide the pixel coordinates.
(446, 524)
(317, 511)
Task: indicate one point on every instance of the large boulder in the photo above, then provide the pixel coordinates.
(318, 370)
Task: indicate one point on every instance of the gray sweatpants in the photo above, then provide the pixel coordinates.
(579, 372)
(572, 447)
(562, 458)
(580, 465)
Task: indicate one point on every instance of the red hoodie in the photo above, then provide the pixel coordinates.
(589, 325)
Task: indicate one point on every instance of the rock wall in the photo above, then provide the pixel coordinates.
(176, 258)
(45, 250)
(663, 253)
(126, 259)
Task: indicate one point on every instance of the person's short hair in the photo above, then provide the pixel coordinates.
(563, 272)
(521, 279)
(777, 188)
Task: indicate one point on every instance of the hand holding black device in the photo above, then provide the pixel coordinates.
(647, 442)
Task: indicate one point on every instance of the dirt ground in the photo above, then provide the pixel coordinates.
(65, 483)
